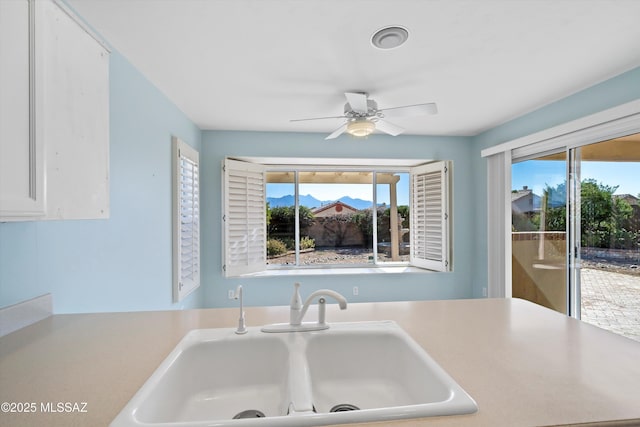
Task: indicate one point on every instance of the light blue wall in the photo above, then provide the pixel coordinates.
(216, 145)
(610, 93)
(123, 263)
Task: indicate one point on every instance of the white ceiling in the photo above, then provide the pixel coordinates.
(255, 64)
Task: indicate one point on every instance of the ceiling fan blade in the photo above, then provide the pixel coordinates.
(318, 118)
(357, 101)
(336, 133)
(410, 110)
(389, 128)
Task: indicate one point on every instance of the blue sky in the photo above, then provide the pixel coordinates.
(335, 191)
(536, 174)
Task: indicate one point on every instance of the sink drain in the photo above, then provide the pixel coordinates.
(249, 413)
(344, 407)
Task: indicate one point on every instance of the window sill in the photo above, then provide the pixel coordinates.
(336, 271)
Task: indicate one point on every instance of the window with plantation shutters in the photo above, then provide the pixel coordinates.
(430, 225)
(245, 224)
(186, 220)
(249, 200)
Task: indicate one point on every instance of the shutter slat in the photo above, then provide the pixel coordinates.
(189, 219)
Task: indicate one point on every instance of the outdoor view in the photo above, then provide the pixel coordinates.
(336, 217)
(606, 200)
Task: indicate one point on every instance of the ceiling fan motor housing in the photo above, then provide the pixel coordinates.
(363, 116)
(372, 109)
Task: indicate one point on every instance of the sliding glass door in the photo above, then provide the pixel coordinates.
(576, 232)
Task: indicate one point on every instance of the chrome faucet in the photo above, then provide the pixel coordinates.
(242, 329)
(297, 312)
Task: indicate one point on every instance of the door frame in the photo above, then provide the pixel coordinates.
(612, 123)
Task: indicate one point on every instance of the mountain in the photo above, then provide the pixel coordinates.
(311, 202)
(276, 202)
(356, 203)
(289, 200)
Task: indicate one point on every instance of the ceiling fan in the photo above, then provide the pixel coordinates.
(363, 116)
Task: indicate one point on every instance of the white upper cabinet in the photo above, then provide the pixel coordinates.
(62, 159)
(74, 102)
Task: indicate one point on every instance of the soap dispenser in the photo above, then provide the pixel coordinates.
(296, 305)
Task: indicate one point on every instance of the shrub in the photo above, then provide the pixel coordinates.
(307, 243)
(281, 220)
(275, 247)
(289, 243)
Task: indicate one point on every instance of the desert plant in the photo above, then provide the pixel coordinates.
(275, 247)
(307, 243)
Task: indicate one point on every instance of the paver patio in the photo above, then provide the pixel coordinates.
(611, 301)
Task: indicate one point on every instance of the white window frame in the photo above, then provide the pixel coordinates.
(185, 196)
(245, 253)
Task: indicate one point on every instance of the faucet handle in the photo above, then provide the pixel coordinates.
(322, 311)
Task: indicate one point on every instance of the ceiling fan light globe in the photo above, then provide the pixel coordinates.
(360, 128)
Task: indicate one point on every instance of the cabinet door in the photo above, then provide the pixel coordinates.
(21, 155)
(72, 82)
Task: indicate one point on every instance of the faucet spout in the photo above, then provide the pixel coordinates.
(298, 310)
(342, 301)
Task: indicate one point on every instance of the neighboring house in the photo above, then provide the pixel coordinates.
(629, 198)
(335, 208)
(524, 201)
(329, 230)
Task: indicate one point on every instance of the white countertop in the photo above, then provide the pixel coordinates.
(523, 364)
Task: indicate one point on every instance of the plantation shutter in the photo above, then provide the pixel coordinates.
(430, 228)
(245, 224)
(186, 220)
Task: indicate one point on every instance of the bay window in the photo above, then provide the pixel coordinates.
(308, 214)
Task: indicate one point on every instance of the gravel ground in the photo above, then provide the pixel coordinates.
(332, 256)
(612, 267)
(351, 255)
(624, 262)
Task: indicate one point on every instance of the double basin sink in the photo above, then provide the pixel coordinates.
(352, 372)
